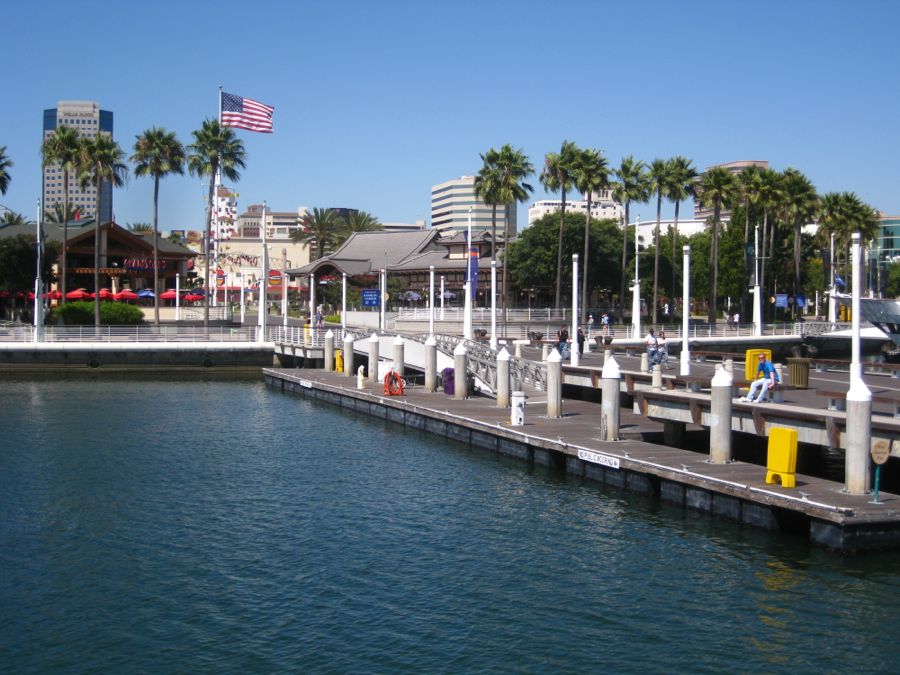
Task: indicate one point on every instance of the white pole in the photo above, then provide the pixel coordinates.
(264, 281)
(312, 303)
(442, 297)
(685, 311)
(574, 356)
(431, 300)
(344, 302)
(242, 294)
(178, 299)
(284, 302)
(382, 283)
(757, 299)
(467, 307)
(859, 398)
(636, 289)
(494, 305)
(39, 282)
(832, 306)
(855, 363)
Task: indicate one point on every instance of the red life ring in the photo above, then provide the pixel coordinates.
(393, 384)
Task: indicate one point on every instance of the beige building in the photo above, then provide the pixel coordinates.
(450, 204)
(602, 206)
(701, 212)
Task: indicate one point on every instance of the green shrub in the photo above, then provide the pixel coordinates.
(81, 313)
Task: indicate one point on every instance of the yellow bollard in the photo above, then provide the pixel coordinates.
(782, 457)
(339, 360)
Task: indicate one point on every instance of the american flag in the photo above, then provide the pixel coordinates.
(245, 113)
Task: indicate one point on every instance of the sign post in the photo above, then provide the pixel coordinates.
(880, 453)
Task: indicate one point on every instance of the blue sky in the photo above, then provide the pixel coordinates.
(375, 102)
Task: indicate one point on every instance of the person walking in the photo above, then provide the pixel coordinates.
(662, 346)
(580, 338)
(652, 343)
(766, 379)
(562, 342)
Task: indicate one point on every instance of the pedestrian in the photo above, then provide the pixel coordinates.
(604, 324)
(662, 346)
(767, 378)
(319, 321)
(562, 342)
(652, 343)
(580, 339)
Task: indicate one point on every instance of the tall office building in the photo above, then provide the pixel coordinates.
(89, 120)
(450, 204)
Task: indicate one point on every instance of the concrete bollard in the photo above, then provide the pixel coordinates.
(517, 411)
(503, 378)
(430, 364)
(545, 351)
(518, 350)
(729, 366)
(348, 355)
(360, 377)
(554, 384)
(329, 351)
(656, 382)
(607, 355)
(645, 363)
(373, 357)
(859, 438)
(720, 417)
(609, 403)
(459, 372)
(399, 356)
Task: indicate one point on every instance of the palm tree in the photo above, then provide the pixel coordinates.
(5, 164)
(682, 178)
(215, 150)
(56, 215)
(766, 192)
(801, 206)
(63, 147)
(513, 167)
(361, 221)
(557, 175)
(140, 228)
(632, 187)
(718, 189)
(658, 177)
(101, 161)
(591, 175)
(747, 179)
(323, 228)
(487, 187)
(842, 214)
(157, 153)
(11, 218)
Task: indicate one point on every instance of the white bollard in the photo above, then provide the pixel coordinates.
(645, 363)
(720, 417)
(503, 378)
(656, 382)
(348, 355)
(399, 356)
(329, 351)
(373, 357)
(431, 364)
(729, 366)
(545, 351)
(518, 350)
(609, 403)
(459, 372)
(517, 412)
(607, 355)
(554, 384)
(360, 377)
(859, 438)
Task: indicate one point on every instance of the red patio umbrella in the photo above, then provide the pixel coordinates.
(168, 295)
(105, 294)
(190, 297)
(79, 294)
(125, 295)
(53, 295)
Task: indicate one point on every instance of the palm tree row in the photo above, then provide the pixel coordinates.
(5, 164)
(324, 230)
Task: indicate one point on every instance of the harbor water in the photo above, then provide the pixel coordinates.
(213, 525)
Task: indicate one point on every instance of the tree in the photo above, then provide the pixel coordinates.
(11, 218)
(717, 189)
(140, 228)
(487, 189)
(765, 191)
(63, 147)
(57, 216)
(682, 177)
(157, 153)
(215, 150)
(842, 214)
(658, 177)
(591, 175)
(801, 206)
(323, 228)
(632, 187)
(101, 161)
(361, 221)
(18, 259)
(5, 164)
(747, 178)
(557, 175)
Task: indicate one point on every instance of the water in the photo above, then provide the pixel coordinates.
(217, 526)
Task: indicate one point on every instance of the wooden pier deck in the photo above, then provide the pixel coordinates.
(817, 508)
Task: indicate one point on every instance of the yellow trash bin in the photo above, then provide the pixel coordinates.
(782, 457)
(339, 360)
(751, 363)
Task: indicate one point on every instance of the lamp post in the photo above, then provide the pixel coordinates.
(832, 307)
(284, 298)
(344, 302)
(467, 307)
(573, 352)
(494, 305)
(431, 300)
(757, 300)
(636, 288)
(382, 283)
(685, 364)
(264, 281)
(39, 282)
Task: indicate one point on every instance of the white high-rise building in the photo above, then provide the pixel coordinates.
(602, 206)
(450, 204)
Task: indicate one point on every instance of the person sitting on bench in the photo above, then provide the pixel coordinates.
(767, 378)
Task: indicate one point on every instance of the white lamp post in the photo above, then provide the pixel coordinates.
(344, 302)
(636, 288)
(832, 307)
(494, 305)
(263, 282)
(431, 300)
(685, 311)
(383, 284)
(467, 307)
(757, 300)
(39, 282)
(573, 352)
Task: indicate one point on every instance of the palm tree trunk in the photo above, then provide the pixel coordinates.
(155, 251)
(674, 258)
(656, 255)
(493, 231)
(562, 221)
(743, 302)
(584, 264)
(97, 260)
(65, 247)
(503, 303)
(714, 263)
(624, 260)
(762, 262)
(798, 227)
(214, 169)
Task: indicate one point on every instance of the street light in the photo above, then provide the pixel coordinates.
(636, 288)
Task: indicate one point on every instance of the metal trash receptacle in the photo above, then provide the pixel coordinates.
(448, 377)
(798, 370)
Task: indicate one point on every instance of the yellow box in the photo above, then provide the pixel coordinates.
(782, 457)
(751, 363)
(339, 360)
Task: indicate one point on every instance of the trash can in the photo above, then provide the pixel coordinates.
(798, 369)
(339, 360)
(448, 378)
(517, 411)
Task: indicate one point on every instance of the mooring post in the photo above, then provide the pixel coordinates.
(545, 351)
(503, 378)
(607, 355)
(859, 438)
(554, 384)
(329, 351)
(430, 364)
(399, 356)
(645, 363)
(720, 417)
(609, 404)
(459, 372)
(373, 357)
(360, 377)
(348, 355)
(656, 382)
(729, 366)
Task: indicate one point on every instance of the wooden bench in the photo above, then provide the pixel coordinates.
(837, 400)
(776, 393)
(701, 356)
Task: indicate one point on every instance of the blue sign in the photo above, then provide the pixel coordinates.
(370, 297)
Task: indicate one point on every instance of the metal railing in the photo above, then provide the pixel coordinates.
(130, 334)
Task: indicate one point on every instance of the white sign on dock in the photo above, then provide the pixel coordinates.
(597, 458)
(306, 384)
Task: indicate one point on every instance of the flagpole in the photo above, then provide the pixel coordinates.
(284, 302)
(264, 281)
(38, 283)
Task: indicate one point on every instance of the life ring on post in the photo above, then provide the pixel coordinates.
(393, 384)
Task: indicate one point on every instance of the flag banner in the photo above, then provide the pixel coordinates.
(473, 270)
(781, 300)
(839, 281)
(245, 113)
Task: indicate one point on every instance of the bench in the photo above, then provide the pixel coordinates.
(837, 400)
(776, 393)
(700, 356)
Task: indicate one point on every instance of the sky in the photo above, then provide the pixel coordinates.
(376, 101)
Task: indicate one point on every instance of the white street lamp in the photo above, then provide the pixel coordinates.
(636, 288)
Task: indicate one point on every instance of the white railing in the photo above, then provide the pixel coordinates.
(481, 314)
(305, 336)
(164, 333)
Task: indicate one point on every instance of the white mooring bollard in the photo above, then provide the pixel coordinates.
(554, 384)
(503, 378)
(609, 403)
(373, 357)
(517, 412)
(329, 351)
(348, 355)
(430, 364)
(720, 417)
